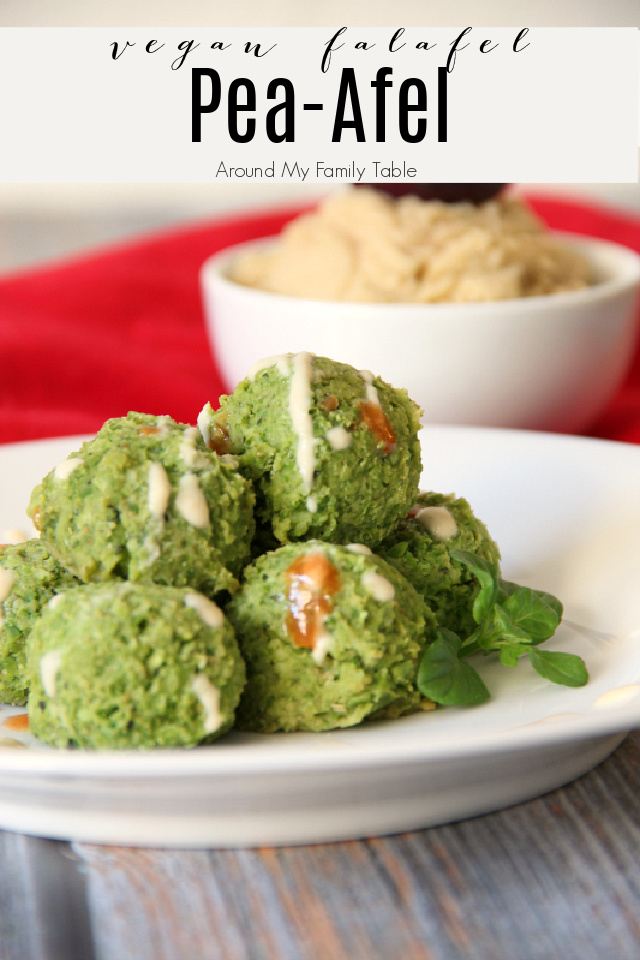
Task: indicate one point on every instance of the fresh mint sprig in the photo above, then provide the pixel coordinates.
(512, 621)
(447, 679)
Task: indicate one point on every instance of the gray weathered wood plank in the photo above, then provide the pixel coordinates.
(558, 877)
(43, 906)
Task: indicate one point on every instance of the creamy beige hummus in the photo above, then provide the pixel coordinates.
(362, 246)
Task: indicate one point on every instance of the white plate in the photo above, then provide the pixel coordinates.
(566, 512)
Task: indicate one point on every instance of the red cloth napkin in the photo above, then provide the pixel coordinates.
(123, 329)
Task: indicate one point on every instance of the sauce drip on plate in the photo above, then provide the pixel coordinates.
(20, 721)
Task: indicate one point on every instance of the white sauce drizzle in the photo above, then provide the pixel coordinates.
(187, 450)
(378, 586)
(370, 392)
(338, 437)
(66, 468)
(159, 490)
(299, 404)
(162, 423)
(281, 362)
(204, 422)
(15, 535)
(191, 503)
(7, 580)
(358, 548)
(209, 697)
(438, 521)
(617, 696)
(208, 612)
(321, 647)
(49, 669)
(312, 503)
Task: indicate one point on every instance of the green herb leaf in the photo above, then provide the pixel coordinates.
(511, 653)
(445, 679)
(534, 611)
(506, 628)
(565, 668)
(512, 620)
(487, 576)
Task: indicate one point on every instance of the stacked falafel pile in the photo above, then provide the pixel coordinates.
(275, 568)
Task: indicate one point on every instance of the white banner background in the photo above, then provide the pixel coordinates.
(564, 109)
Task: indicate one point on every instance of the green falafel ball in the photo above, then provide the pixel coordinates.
(146, 500)
(29, 578)
(125, 665)
(330, 635)
(420, 548)
(333, 451)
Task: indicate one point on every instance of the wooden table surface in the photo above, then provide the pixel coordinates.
(555, 878)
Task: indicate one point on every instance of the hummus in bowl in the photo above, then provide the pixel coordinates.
(546, 350)
(362, 246)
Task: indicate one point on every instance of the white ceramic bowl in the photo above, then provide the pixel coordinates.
(545, 363)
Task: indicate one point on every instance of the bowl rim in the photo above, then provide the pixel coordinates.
(628, 262)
